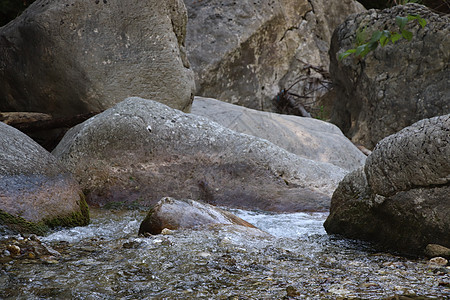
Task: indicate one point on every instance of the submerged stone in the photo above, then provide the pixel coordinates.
(170, 214)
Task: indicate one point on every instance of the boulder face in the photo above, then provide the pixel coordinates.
(307, 137)
(36, 192)
(396, 85)
(71, 57)
(400, 198)
(245, 52)
(140, 151)
(178, 214)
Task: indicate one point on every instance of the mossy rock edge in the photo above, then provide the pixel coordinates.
(21, 225)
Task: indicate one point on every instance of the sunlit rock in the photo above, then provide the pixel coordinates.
(307, 137)
(141, 150)
(245, 51)
(66, 58)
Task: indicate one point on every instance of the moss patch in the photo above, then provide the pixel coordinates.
(79, 218)
(21, 225)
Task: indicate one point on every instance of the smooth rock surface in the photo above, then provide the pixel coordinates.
(141, 150)
(174, 214)
(35, 190)
(307, 137)
(71, 57)
(385, 203)
(244, 52)
(396, 85)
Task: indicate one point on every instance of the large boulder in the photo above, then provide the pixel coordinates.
(400, 198)
(178, 214)
(36, 192)
(396, 85)
(66, 58)
(244, 52)
(141, 150)
(310, 138)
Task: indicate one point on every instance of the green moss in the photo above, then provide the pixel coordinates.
(133, 205)
(19, 224)
(79, 218)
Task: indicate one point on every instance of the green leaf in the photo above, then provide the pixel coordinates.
(395, 37)
(383, 41)
(412, 17)
(401, 22)
(376, 36)
(361, 36)
(372, 46)
(422, 22)
(361, 49)
(407, 34)
(346, 53)
(386, 35)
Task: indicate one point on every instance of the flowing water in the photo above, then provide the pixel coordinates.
(107, 260)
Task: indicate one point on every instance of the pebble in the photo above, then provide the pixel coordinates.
(204, 254)
(166, 231)
(225, 241)
(434, 250)
(13, 249)
(292, 291)
(440, 261)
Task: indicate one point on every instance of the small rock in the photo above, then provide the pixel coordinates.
(435, 250)
(292, 291)
(444, 284)
(13, 249)
(225, 241)
(166, 231)
(131, 245)
(438, 261)
(49, 260)
(33, 237)
(204, 254)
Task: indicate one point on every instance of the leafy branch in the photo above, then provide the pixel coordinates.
(382, 37)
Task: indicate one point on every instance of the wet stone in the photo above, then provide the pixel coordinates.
(439, 261)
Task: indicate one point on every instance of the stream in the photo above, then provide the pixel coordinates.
(107, 260)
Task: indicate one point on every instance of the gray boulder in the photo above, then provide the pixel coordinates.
(310, 138)
(140, 151)
(417, 156)
(178, 214)
(396, 85)
(400, 198)
(36, 191)
(68, 58)
(244, 52)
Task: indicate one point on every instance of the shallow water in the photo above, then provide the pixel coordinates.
(107, 260)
